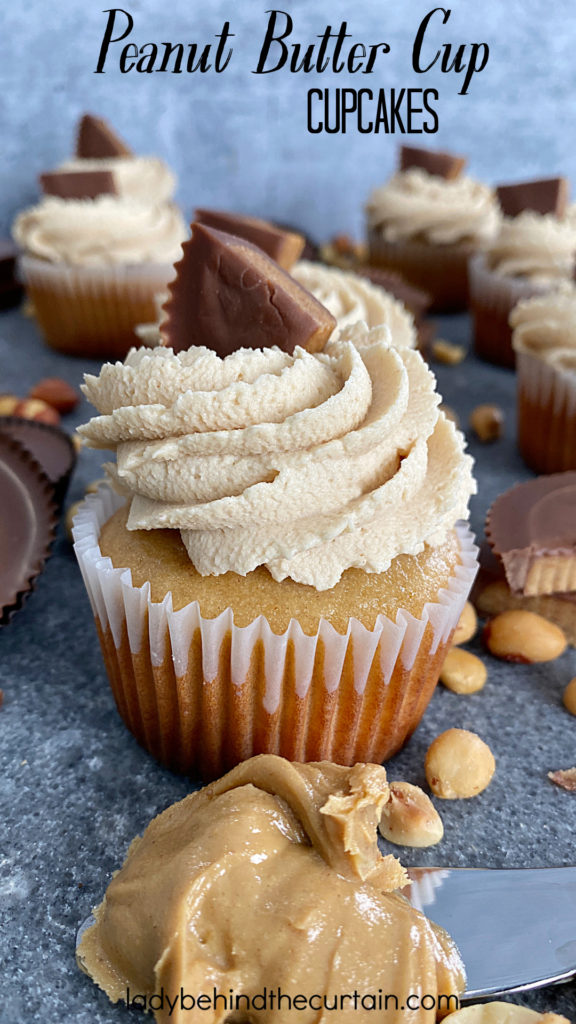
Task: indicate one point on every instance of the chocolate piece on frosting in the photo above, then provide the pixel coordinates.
(97, 141)
(547, 195)
(285, 247)
(78, 184)
(28, 524)
(532, 529)
(228, 294)
(441, 165)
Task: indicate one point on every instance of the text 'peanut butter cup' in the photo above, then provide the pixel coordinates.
(544, 196)
(96, 140)
(78, 184)
(228, 294)
(532, 529)
(440, 164)
(283, 246)
(27, 524)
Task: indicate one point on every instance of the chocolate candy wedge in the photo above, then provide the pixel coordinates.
(28, 524)
(96, 140)
(228, 294)
(546, 195)
(532, 530)
(78, 184)
(440, 164)
(285, 247)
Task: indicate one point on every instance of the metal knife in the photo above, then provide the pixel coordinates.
(515, 927)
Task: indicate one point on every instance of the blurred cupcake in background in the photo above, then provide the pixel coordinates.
(427, 221)
(544, 340)
(534, 250)
(92, 267)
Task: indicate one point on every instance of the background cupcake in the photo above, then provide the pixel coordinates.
(544, 340)
(427, 221)
(92, 268)
(533, 251)
(262, 583)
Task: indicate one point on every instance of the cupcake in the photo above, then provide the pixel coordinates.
(279, 568)
(427, 221)
(266, 892)
(145, 179)
(532, 253)
(544, 340)
(93, 266)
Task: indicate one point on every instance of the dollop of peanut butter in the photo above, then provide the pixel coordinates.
(269, 880)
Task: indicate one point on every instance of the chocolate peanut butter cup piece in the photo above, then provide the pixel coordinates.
(27, 524)
(532, 530)
(545, 195)
(440, 164)
(283, 246)
(228, 294)
(96, 140)
(50, 447)
(78, 184)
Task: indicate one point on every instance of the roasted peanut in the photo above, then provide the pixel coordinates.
(410, 818)
(467, 625)
(36, 409)
(524, 637)
(448, 353)
(487, 422)
(463, 672)
(569, 697)
(7, 404)
(56, 392)
(458, 765)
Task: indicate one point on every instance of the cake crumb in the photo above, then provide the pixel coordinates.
(565, 778)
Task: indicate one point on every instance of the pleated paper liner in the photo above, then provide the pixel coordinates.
(546, 414)
(440, 270)
(492, 299)
(93, 311)
(203, 694)
(51, 447)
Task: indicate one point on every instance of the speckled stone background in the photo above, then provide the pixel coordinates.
(240, 139)
(74, 787)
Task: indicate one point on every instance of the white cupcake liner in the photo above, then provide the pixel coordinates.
(546, 414)
(93, 310)
(154, 630)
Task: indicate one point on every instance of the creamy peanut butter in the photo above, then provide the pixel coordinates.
(415, 204)
(269, 878)
(308, 463)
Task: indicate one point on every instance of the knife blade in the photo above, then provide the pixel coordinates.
(515, 927)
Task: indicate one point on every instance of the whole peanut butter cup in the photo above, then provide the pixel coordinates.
(51, 448)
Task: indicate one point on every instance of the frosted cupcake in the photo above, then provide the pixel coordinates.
(92, 268)
(427, 221)
(146, 179)
(544, 340)
(280, 569)
(533, 252)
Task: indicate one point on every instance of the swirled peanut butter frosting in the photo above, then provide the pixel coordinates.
(415, 204)
(546, 326)
(146, 179)
(269, 880)
(308, 463)
(537, 246)
(351, 298)
(101, 231)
